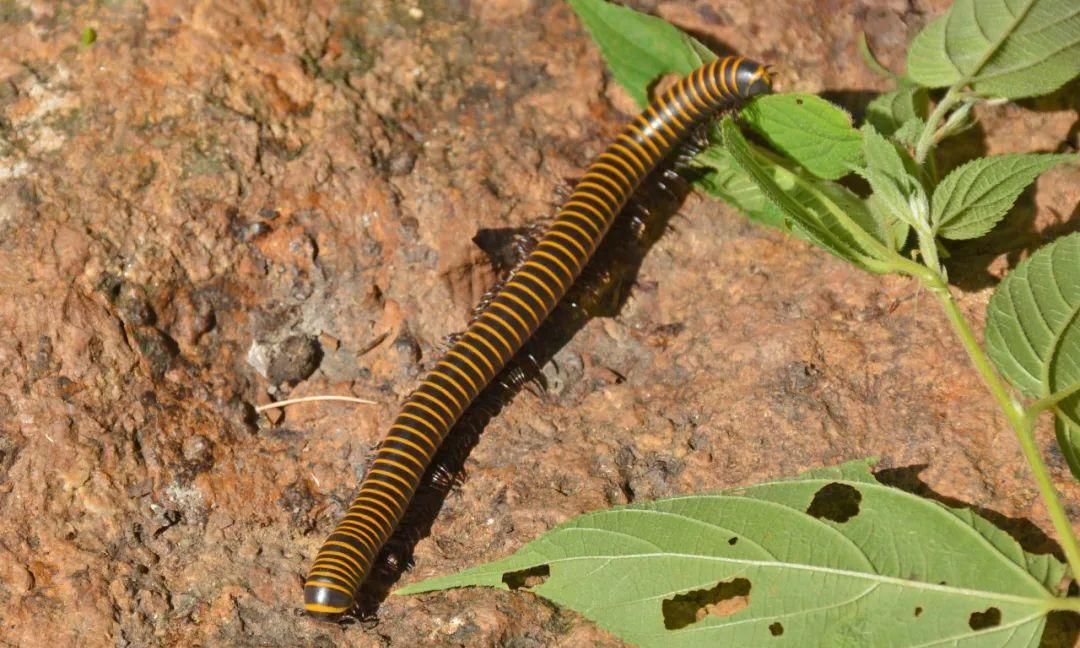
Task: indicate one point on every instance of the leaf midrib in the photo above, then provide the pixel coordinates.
(967, 78)
(925, 503)
(1044, 603)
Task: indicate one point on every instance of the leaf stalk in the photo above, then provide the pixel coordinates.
(1049, 402)
(1020, 419)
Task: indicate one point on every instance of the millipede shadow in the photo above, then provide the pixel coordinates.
(601, 290)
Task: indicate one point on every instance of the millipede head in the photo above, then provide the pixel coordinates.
(752, 78)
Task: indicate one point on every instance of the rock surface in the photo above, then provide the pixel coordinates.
(216, 205)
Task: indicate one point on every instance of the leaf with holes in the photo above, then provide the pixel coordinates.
(1003, 48)
(1033, 333)
(974, 197)
(832, 558)
(639, 48)
(810, 130)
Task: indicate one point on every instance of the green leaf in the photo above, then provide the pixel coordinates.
(888, 112)
(1003, 48)
(889, 228)
(829, 198)
(1068, 439)
(975, 196)
(1033, 332)
(909, 131)
(809, 210)
(639, 48)
(899, 201)
(725, 180)
(810, 130)
(881, 155)
(832, 558)
(871, 60)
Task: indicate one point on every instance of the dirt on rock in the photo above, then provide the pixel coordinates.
(216, 205)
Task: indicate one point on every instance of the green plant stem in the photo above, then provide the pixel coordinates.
(928, 248)
(1020, 420)
(928, 137)
(1066, 604)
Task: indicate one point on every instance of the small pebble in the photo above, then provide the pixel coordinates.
(293, 360)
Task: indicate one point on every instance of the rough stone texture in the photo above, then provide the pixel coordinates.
(214, 198)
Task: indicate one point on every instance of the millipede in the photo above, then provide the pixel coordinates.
(601, 290)
(509, 317)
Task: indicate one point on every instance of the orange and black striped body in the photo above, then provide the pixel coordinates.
(511, 317)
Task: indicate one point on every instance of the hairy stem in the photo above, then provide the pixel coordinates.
(1021, 422)
(928, 136)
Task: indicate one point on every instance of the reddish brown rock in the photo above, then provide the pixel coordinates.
(211, 178)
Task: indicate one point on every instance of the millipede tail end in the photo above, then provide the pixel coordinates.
(324, 599)
(752, 79)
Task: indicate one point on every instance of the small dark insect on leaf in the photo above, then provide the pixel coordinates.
(776, 629)
(991, 618)
(835, 502)
(526, 578)
(727, 598)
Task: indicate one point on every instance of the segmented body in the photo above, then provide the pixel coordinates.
(512, 315)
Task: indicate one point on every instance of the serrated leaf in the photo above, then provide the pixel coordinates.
(1003, 48)
(888, 203)
(827, 194)
(898, 202)
(975, 196)
(909, 131)
(637, 47)
(799, 202)
(810, 130)
(1033, 331)
(829, 559)
(727, 181)
(724, 179)
(882, 156)
(1064, 374)
(888, 112)
(889, 229)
